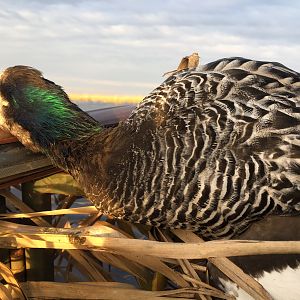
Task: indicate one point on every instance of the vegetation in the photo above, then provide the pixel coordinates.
(97, 257)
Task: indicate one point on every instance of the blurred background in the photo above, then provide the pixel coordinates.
(117, 50)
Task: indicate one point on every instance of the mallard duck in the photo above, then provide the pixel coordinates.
(212, 149)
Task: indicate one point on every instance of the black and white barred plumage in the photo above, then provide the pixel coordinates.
(212, 149)
(221, 147)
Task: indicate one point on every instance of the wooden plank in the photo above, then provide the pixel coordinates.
(107, 291)
(15, 159)
(28, 176)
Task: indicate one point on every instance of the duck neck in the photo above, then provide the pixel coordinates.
(70, 151)
(51, 123)
(65, 141)
(39, 113)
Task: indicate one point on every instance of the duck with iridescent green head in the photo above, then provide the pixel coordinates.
(212, 149)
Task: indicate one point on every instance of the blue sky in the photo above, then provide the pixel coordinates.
(124, 47)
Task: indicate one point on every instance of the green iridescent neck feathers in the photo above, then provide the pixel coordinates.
(42, 108)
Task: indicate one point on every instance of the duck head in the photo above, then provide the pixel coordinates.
(37, 111)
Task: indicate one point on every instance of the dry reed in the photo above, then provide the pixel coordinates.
(161, 267)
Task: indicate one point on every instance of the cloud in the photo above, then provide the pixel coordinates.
(90, 44)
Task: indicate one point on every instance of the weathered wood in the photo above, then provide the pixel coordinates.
(6, 137)
(15, 160)
(56, 212)
(4, 253)
(246, 282)
(99, 239)
(39, 262)
(29, 176)
(109, 291)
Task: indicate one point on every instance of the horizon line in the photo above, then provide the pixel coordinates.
(105, 98)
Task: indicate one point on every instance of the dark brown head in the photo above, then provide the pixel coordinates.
(37, 111)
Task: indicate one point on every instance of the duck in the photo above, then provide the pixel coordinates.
(213, 149)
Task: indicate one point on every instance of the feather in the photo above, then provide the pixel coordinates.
(212, 149)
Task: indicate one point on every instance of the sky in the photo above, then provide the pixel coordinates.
(117, 47)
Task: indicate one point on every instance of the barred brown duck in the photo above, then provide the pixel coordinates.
(212, 149)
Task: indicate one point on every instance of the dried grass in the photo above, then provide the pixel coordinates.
(97, 248)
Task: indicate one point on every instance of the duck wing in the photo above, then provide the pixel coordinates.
(217, 147)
